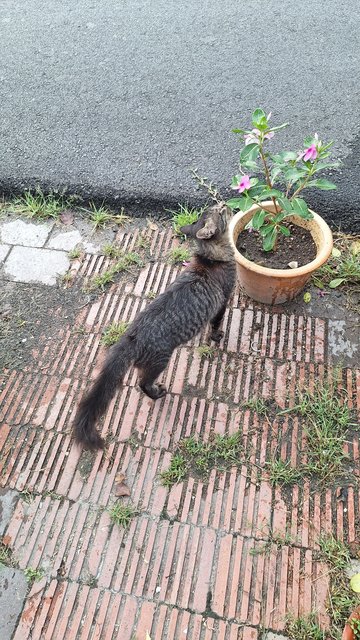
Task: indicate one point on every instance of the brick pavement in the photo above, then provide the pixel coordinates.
(199, 560)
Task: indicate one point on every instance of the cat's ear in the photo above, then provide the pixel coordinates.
(207, 231)
(187, 230)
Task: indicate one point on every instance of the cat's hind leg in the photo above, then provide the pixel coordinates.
(148, 375)
(216, 334)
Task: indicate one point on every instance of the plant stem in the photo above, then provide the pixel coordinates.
(267, 176)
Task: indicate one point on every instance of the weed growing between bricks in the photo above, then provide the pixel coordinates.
(194, 456)
(113, 332)
(124, 263)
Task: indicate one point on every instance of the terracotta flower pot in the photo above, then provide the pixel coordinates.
(348, 633)
(274, 286)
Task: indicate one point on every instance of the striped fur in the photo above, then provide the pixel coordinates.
(197, 297)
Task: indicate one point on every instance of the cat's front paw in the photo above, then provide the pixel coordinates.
(216, 336)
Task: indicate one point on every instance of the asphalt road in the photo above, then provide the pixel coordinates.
(120, 98)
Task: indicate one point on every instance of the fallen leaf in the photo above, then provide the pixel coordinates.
(293, 264)
(355, 247)
(336, 283)
(67, 216)
(355, 583)
(147, 637)
(122, 490)
(307, 297)
(336, 253)
(152, 225)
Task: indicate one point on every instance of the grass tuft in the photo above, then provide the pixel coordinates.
(183, 216)
(113, 333)
(35, 204)
(206, 351)
(221, 452)
(176, 471)
(282, 473)
(122, 514)
(304, 628)
(101, 216)
(178, 255)
(123, 264)
(34, 575)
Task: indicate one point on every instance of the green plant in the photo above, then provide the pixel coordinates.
(176, 471)
(32, 574)
(112, 250)
(151, 295)
(35, 204)
(285, 176)
(5, 555)
(220, 451)
(122, 514)
(178, 255)
(281, 472)
(102, 216)
(206, 351)
(183, 216)
(113, 333)
(355, 626)
(126, 261)
(304, 628)
(256, 404)
(74, 253)
(343, 266)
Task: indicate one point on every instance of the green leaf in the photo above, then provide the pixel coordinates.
(253, 181)
(235, 180)
(266, 229)
(285, 204)
(280, 126)
(258, 219)
(241, 131)
(284, 156)
(269, 240)
(336, 283)
(326, 165)
(307, 297)
(301, 209)
(355, 583)
(249, 153)
(275, 172)
(259, 119)
(321, 183)
(279, 217)
(234, 203)
(284, 230)
(257, 190)
(293, 175)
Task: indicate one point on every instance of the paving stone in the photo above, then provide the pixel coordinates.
(26, 234)
(66, 241)
(26, 264)
(274, 636)
(7, 504)
(4, 250)
(13, 588)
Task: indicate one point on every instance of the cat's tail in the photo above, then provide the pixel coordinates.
(95, 402)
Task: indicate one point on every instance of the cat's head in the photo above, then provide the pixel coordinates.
(212, 224)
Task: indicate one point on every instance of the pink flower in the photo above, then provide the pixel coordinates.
(243, 184)
(309, 154)
(253, 137)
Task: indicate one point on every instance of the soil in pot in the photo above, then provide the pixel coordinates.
(298, 247)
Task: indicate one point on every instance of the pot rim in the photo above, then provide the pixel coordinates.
(321, 256)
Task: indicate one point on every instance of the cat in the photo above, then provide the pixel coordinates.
(198, 296)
